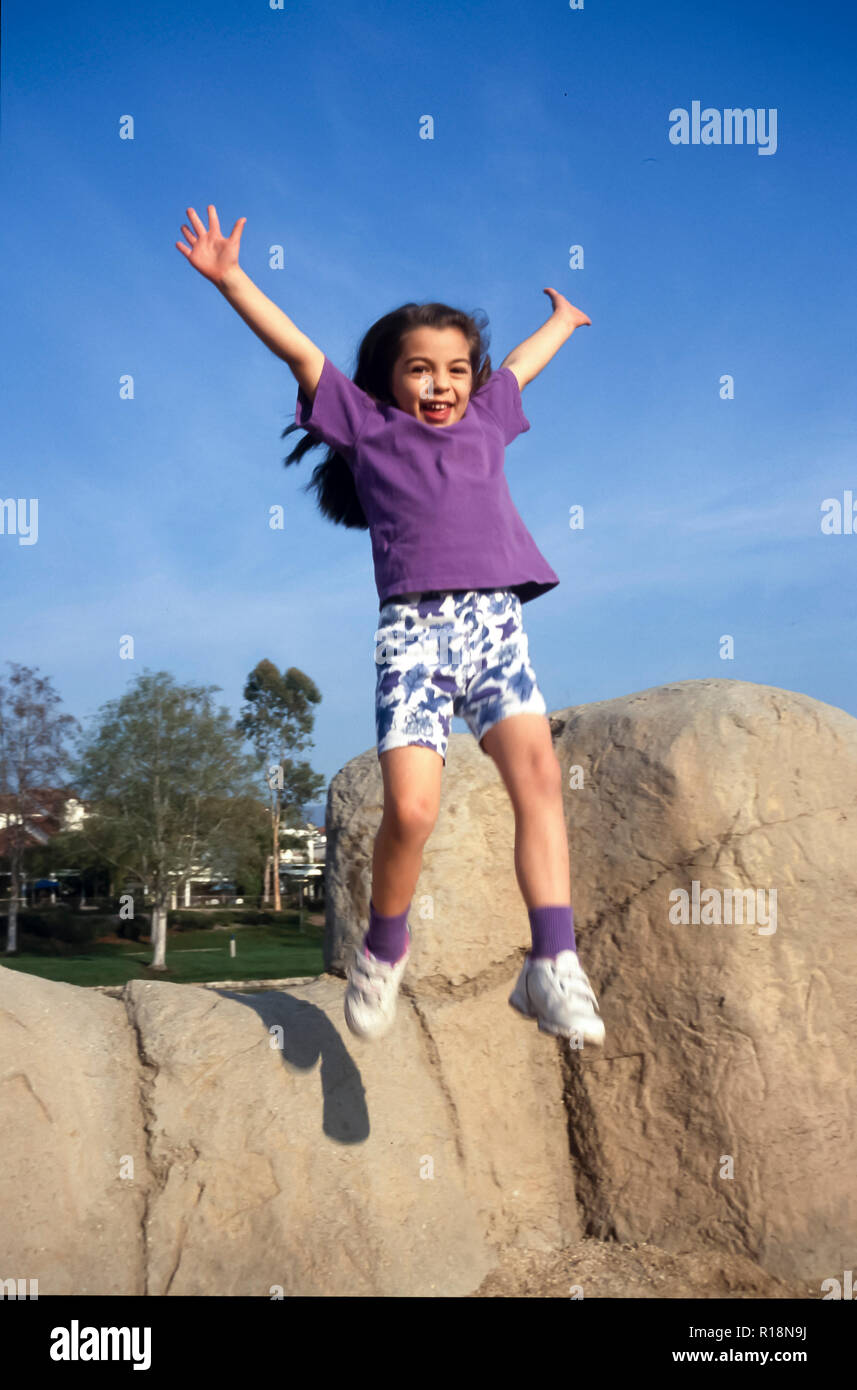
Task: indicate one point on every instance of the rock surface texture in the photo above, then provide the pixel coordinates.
(189, 1141)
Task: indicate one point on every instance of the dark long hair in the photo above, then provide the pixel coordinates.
(332, 478)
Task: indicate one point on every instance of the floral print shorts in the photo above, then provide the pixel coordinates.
(450, 652)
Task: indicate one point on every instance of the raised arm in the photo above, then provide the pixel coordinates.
(528, 358)
(216, 257)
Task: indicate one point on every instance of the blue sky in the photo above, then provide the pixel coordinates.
(702, 515)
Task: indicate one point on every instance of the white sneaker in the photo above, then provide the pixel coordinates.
(370, 999)
(557, 992)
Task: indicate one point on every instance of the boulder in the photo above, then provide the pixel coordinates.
(71, 1120)
(724, 1103)
(185, 1140)
(272, 1150)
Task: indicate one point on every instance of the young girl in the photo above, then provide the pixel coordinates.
(416, 456)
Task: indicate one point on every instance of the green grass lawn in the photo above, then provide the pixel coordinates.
(261, 953)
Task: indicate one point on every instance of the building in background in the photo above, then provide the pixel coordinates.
(301, 866)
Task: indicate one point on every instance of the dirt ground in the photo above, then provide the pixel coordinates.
(605, 1269)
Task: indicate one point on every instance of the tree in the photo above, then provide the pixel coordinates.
(32, 757)
(277, 719)
(166, 780)
(242, 848)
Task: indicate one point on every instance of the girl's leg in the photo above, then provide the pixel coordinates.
(522, 748)
(412, 780)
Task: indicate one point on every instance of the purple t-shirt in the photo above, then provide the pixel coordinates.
(435, 496)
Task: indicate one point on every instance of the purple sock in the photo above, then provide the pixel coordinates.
(387, 937)
(553, 931)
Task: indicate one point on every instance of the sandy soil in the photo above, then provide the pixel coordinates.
(608, 1270)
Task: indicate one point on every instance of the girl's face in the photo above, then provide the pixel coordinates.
(433, 368)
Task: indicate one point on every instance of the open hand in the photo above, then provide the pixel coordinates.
(211, 253)
(575, 317)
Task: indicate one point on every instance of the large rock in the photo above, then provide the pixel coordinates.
(72, 1122)
(730, 1041)
(723, 1041)
(327, 1165)
(320, 1165)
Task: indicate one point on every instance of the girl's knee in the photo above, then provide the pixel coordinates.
(410, 817)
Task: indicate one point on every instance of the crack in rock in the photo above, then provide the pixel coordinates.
(439, 986)
(157, 1170)
(21, 1075)
(437, 1067)
(588, 1162)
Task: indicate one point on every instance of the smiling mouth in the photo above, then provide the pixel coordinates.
(438, 410)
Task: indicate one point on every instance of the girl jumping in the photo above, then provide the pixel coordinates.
(416, 455)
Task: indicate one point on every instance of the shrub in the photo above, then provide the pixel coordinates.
(132, 928)
(44, 946)
(186, 919)
(192, 919)
(60, 924)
